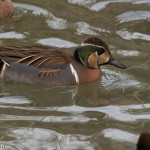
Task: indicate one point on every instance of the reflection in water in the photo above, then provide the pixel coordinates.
(141, 2)
(12, 35)
(52, 103)
(102, 5)
(129, 36)
(133, 15)
(99, 6)
(113, 79)
(119, 135)
(53, 96)
(57, 42)
(92, 5)
(52, 119)
(120, 113)
(53, 22)
(14, 100)
(84, 28)
(128, 53)
(60, 24)
(40, 139)
(82, 2)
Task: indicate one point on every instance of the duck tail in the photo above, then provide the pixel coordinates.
(3, 66)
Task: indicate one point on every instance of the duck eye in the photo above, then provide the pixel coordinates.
(100, 51)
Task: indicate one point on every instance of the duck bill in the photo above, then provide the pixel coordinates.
(113, 62)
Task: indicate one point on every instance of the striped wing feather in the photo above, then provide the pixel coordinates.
(15, 53)
(49, 73)
(49, 60)
(43, 63)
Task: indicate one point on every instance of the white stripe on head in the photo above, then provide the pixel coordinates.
(86, 44)
(74, 73)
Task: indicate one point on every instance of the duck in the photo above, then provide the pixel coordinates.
(6, 8)
(39, 64)
(143, 142)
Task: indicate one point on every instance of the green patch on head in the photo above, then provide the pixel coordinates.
(85, 51)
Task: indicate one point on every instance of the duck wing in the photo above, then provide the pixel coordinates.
(48, 66)
(15, 53)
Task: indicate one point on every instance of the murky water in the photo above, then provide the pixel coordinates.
(106, 115)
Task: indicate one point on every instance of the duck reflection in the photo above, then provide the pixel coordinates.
(91, 95)
(51, 96)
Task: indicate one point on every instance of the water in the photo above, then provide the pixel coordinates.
(108, 114)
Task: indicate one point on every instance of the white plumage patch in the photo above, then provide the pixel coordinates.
(74, 73)
(3, 69)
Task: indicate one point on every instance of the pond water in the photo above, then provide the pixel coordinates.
(108, 114)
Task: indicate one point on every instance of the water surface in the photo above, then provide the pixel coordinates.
(108, 114)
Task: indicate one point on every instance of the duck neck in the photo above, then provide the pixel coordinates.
(86, 75)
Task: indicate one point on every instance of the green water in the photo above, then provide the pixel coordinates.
(109, 114)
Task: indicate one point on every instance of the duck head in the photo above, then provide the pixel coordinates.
(94, 52)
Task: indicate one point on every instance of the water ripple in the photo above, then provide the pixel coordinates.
(141, 2)
(136, 35)
(114, 79)
(92, 5)
(113, 110)
(54, 119)
(52, 21)
(127, 52)
(14, 100)
(13, 35)
(82, 2)
(102, 5)
(120, 135)
(59, 23)
(120, 113)
(57, 42)
(38, 139)
(116, 112)
(99, 6)
(133, 15)
(84, 28)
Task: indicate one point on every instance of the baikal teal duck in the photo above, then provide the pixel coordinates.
(6, 8)
(53, 66)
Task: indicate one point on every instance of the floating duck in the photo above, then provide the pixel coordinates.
(6, 8)
(53, 66)
(143, 142)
